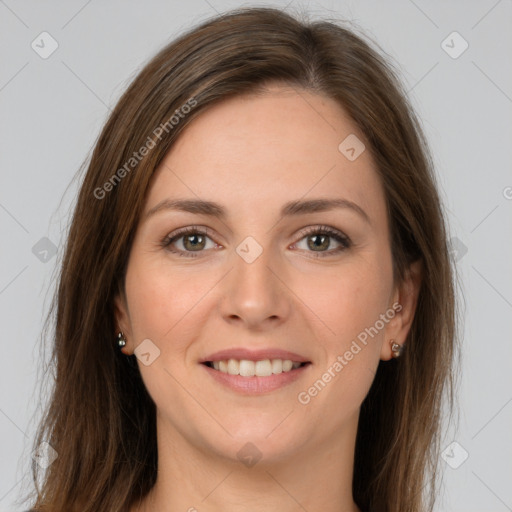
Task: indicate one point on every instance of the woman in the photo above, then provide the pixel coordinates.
(256, 307)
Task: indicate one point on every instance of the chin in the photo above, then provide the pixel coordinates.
(267, 442)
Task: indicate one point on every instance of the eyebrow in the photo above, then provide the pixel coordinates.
(292, 208)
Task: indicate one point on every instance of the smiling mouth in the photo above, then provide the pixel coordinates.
(247, 368)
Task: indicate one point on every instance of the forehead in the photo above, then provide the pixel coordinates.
(264, 150)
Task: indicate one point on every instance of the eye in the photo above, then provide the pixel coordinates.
(189, 240)
(194, 239)
(319, 239)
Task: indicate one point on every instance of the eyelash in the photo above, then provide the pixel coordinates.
(342, 239)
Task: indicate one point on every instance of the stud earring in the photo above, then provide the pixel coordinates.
(396, 348)
(121, 340)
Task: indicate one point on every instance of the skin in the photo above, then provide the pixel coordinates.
(252, 154)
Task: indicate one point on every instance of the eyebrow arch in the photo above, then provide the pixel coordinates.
(292, 208)
(321, 205)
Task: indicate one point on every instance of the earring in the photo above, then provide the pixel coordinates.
(121, 341)
(396, 348)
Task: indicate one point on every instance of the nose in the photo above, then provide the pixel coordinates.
(255, 294)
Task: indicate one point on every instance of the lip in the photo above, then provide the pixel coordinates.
(254, 355)
(257, 385)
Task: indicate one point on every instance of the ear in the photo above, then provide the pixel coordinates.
(123, 323)
(405, 299)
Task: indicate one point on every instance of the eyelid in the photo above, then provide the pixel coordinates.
(322, 228)
(203, 230)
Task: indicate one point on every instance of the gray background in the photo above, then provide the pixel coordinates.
(52, 110)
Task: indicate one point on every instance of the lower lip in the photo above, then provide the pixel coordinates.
(257, 385)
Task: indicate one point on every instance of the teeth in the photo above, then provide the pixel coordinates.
(233, 367)
(277, 366)
(263, 368)
(247, 368)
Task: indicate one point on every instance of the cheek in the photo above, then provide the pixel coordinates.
(349, 299)
(350, 302)
(161, 300)
(351, 307)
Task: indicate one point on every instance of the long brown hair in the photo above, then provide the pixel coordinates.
(100, 418)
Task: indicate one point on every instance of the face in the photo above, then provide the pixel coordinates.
(277, 276)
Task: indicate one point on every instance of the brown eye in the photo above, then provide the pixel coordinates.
(194, 242)
(187, 241)
(320, 240)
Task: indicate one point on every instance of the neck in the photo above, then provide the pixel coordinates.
(194, 479)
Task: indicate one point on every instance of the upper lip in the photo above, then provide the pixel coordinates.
(254, 355)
